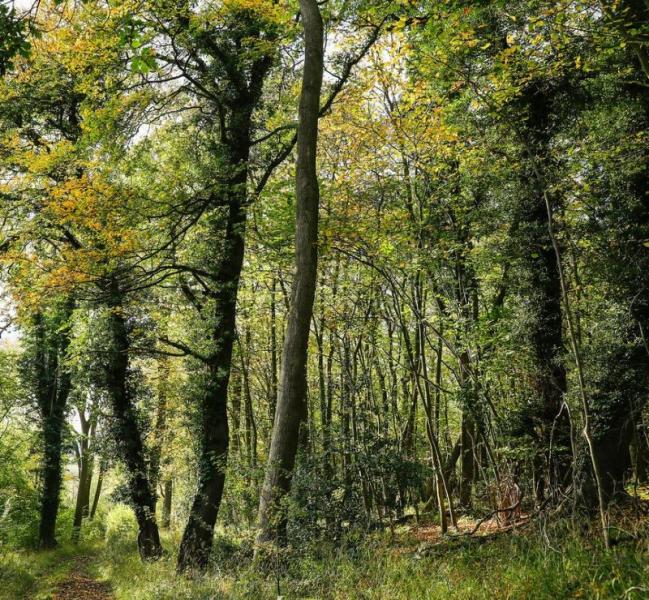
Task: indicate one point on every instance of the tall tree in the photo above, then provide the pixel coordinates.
(290, 412)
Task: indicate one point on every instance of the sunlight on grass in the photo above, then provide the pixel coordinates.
(29, 574)
(517, 566)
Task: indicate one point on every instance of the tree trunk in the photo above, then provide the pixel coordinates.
(468, 459)
(197, 538)
(552, 427)
(234, 394)
(160, 427)
(272, 400)
(85, 460)
(166, 504)
(53, 389)
(249, 415)
(229, 202)
(126, 429)
(100, 482)
(51, 478)
(291, 404)
(196, 543)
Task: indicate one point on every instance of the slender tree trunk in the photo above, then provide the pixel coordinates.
(85, 474)
(166, 504)
(468, 459)
(251, 426)
(272, 400)
(438, 384)
(160, 426)
(291, 404)
(346, 393)
(235, 412)
(100, 482)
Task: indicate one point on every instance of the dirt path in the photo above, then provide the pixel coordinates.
(79, 585)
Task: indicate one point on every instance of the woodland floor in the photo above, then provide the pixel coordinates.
(529, 559)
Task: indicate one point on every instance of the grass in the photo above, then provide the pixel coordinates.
(34, 575)
(536, 564)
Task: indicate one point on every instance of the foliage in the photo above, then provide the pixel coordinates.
(482, 298)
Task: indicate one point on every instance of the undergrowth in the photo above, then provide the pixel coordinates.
(550, 562)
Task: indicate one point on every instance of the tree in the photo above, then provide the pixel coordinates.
(291, 411)
(48, 374)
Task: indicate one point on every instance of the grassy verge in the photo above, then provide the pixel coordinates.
(551, 563)
(534, 565)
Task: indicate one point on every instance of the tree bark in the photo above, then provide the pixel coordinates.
(272, 399)
(550, 421)
(160, 427)
(53, 388)
(224, 263)
(166, 504)
(85, 461)
(249, 415)
(126, 429)
(100, 482)
(214, 436)
(196, 543)
(291, 404)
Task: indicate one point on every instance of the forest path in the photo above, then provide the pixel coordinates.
(80, 585)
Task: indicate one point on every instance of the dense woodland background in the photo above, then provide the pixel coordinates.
(328, 299)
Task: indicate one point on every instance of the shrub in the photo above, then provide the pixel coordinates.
(121, 529)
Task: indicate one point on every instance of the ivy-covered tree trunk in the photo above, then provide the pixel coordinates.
(214, 438)
(160, 427)
(126, 429)
(549, 419)
(53, 383)
(291, 409)
(552, 463)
